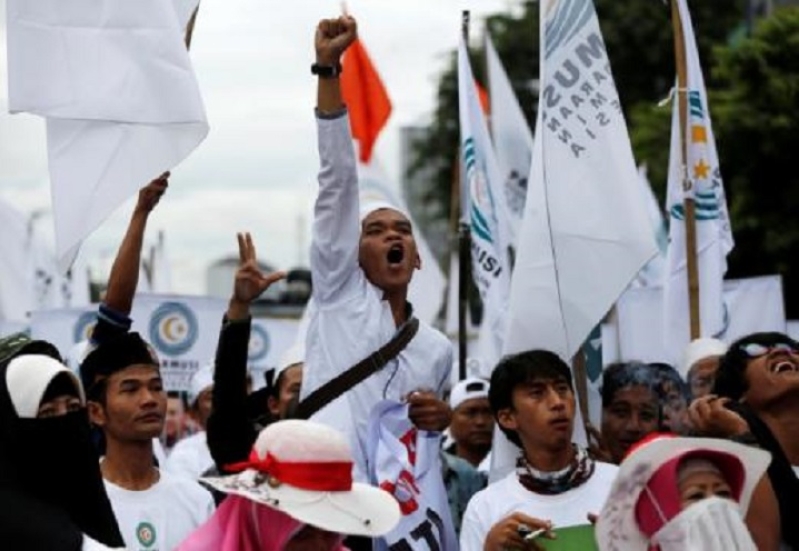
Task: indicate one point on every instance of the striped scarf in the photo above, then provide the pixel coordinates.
(552, 483)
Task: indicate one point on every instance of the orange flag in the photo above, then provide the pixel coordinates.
(365, 96)
(482, 95)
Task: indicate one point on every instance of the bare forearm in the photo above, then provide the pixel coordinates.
(328, 96)
(124, 276)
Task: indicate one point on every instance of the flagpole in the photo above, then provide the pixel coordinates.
(464, 248)
(688, 201)
(190, 27)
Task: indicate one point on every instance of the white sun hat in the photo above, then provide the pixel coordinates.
(699, 349)
(617, 528)
(304, 469)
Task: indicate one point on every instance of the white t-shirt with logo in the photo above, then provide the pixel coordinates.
(507, 496)
(190, 457)
(162, 516)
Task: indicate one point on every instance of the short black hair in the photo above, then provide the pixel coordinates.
(518, 369)
(111, 356)
(620, 375)
(666, 373)
(731, 374)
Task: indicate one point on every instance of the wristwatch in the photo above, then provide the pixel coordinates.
(326, 71)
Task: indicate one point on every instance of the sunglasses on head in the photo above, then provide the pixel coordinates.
(756, 350)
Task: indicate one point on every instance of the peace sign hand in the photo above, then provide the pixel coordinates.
(249, 282)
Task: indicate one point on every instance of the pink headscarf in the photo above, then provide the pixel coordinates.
(243, 525)
(661, 502)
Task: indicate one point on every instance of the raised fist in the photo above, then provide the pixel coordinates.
(333, 36)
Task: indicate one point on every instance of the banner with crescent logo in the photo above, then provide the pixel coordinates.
(183, 330)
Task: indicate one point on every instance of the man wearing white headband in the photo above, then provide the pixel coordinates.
(362, 259)
(699, 364)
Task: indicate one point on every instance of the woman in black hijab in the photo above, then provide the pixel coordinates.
(51, 491)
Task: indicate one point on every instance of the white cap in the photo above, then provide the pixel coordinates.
(293, 356)
(369, 205)
(699, 349)
(468, 389)
(202, 379)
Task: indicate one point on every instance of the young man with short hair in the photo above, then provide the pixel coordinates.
(127, 402)
(556, 484)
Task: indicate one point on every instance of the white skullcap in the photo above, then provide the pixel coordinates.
(468, 389)
(368, 206)
(293, 356)
(699, 349)
(203, 379)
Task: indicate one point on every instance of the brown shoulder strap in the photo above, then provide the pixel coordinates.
(337, 386)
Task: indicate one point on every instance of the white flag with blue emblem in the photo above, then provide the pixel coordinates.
(713, 232)
(115, 84)
(585, 233)
(487, 216)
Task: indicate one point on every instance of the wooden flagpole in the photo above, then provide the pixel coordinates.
(688, 201)
(190, 27)
(464, 250)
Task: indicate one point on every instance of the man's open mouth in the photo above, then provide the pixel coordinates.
(395, 254)
(784, 366)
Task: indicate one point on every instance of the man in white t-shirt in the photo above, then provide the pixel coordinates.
(127, 401)
(556, 484)
(191, 457)
(362, 259)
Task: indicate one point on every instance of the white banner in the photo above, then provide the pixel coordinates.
(269, 339)
(115, 84)
(751, 305)
(792, 329)
(184, 331)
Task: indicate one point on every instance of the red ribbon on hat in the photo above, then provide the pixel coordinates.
(330, 476)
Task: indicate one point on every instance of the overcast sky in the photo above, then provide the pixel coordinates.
(256, 170)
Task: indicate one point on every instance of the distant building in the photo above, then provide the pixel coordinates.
(220, 275)
(286, 298)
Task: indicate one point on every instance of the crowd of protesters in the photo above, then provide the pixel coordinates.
(699, 456)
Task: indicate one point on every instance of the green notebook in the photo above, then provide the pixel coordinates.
(573, 538)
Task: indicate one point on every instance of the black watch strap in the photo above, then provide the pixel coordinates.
(326, 71)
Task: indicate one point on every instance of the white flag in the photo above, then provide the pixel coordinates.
(487, 214)
(513, 140)
(426, 291)
(699, 167)
(585, 234)
(653, 272)
(115, 84)
(17, 283)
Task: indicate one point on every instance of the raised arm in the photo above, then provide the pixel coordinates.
(113, 315)
(231, 433)
(336, 230)
(124, 277)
